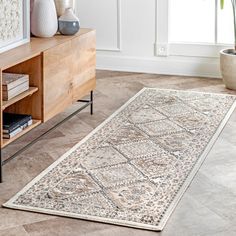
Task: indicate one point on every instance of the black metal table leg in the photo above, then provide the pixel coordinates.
(91, 100)
(87, 103)
(0, 165)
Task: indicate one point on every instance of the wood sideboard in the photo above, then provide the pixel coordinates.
(61, 70)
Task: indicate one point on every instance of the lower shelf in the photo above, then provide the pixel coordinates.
(26, 130)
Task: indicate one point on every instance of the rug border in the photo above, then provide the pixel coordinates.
(172, 206)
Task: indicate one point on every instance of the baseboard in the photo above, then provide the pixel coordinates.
(156, 65)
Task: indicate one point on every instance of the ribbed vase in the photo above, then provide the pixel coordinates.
(62, 5)
(44, 18)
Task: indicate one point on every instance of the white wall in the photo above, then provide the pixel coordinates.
(127, 33)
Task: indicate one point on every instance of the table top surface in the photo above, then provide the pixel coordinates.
(34, 48)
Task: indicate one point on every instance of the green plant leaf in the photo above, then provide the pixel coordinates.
(222, 3)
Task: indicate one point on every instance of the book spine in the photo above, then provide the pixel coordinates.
(22, 79)
(7, 95)
(5, 131)
(17, 131)
(8, 136)
(6, 88)
(17, 125)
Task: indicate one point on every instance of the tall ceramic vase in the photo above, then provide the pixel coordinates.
(62, 5)
(44, 18)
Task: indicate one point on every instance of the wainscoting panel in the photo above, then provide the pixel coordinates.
(132, 34)
(104, 16)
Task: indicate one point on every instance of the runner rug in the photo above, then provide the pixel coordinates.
(133, 169)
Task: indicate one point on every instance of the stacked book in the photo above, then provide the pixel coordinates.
(13, 124)
(13, 85)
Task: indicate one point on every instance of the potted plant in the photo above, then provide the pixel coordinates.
(228, 57)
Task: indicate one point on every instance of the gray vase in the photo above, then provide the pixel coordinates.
(68, 23)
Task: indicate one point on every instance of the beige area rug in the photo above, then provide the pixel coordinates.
(133, 169)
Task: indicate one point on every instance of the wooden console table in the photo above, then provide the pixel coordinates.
(61, 70)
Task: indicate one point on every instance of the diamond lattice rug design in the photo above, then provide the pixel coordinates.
(133, 169)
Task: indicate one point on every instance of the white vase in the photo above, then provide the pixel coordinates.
(44, 19)
(228, 68)
(31, 6)
(62, 5)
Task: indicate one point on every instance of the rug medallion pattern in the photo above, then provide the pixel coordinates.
(132, 168)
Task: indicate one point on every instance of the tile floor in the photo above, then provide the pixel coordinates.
(208, 207)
